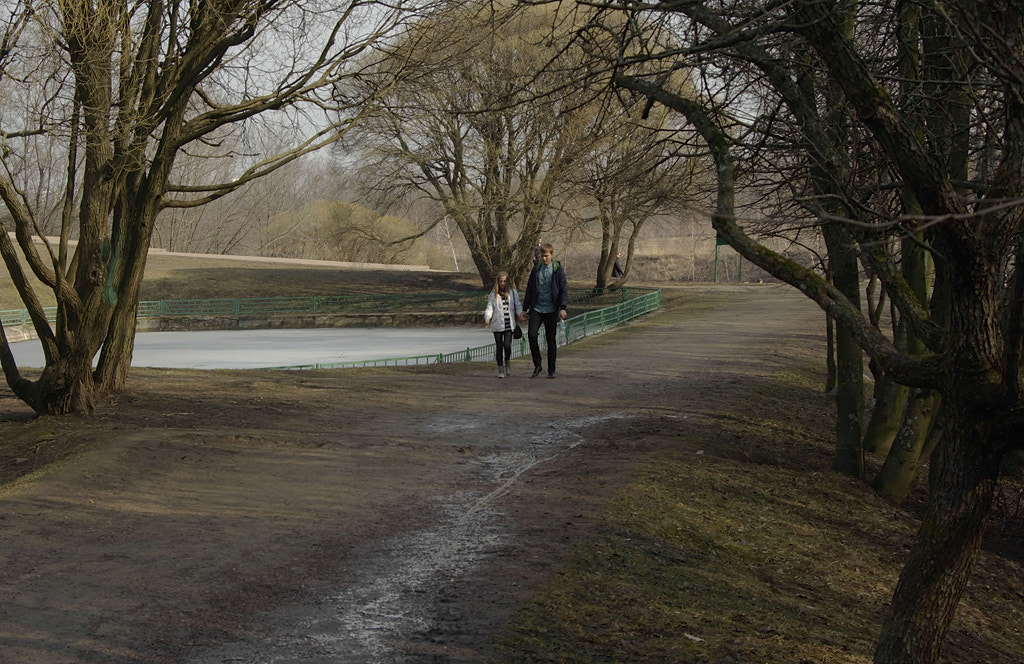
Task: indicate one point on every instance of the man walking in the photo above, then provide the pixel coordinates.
(547, 296)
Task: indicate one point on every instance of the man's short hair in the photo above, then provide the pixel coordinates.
(547, 246)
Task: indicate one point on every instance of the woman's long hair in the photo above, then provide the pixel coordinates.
(497, 286)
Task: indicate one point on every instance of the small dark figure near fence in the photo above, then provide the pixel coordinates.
(617, 269)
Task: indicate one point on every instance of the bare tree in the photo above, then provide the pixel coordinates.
(488, 129)
(953, 143)
(121, 91)
(339, 231)
(240, 223)
(640, 168)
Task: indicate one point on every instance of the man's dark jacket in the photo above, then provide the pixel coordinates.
(559, 287)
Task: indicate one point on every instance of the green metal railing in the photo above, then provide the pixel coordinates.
(642, 301)
(620, 306)
(332, 304)
(21, 317)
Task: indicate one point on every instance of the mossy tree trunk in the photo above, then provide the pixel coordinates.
(890, 400)
(905, 457)
(888, 397)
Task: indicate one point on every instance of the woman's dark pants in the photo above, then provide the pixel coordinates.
(503, 342)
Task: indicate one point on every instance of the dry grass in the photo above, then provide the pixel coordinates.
(735, 547)
(175, 277)
(205, 278)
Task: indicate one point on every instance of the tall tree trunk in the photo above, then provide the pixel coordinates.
(609, 242)
(884, 423)
(65, 386)
(129, 267)
(947, 544)
(115, 359)
(888, 397)
(842, 256)
(905, 457)
(849, 457)
(830, 355)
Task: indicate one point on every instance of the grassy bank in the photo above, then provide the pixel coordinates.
(736, 546)
(174, 277)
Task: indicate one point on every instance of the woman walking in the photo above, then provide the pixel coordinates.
(503, 310)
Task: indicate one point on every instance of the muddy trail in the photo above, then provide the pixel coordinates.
(366, 516)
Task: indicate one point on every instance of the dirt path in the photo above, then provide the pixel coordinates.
(363, 516)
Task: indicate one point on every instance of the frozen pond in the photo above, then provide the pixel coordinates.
(255, 349)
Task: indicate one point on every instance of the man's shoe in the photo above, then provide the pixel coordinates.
(501, 372)
(536, 372)
(551, 374)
